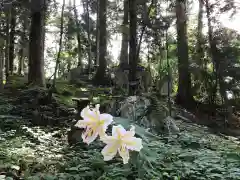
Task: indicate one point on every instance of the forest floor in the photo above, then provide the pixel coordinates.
(35, 152)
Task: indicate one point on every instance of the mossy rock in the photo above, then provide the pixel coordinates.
(80, 93)
(67, 93)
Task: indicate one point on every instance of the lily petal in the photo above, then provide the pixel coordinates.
(96, 110)
(97, 106)
(82, 123)
(108, 139)
(106, 119)
(124, 153)
(118, 131)
(92, 116)
(130, 133)
(84, 112)
(133, 143)
(89, 135)
(101, 131)
(109, 151)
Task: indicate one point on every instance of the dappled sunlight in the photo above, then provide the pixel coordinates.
(120, 90)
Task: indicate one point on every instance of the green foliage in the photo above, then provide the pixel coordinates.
(43, 153)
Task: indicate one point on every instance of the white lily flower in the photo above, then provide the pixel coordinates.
(121, 141)
(94, 122)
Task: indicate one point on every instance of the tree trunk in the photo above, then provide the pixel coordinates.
(1, 56)
(36, 74)
(89, 38)
(97, 35)
(199, 48)
(60, 47)
(212, 42)
(198, 55)
(7, 44)
(184, 95)
(23, 43)
(20, 62)
(215, 58)
(133, 47)
(78, 35)
(125, 35)
(12, 40)
(213, 94)
(1, 67)
(100, 74)
(147, 12)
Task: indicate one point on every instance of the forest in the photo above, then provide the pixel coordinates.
(120, 89)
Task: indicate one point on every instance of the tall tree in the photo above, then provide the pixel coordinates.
(184, 95)
(133, 46)
(1, 52)
(12, 39)
(1, 66)
(23, 42)
(100, 74)
(69, 38)
(36, 44)
(199, 48)
(146, 13)
(212, 42)
(8, 19)
(78, 34)
(89, 36)
(97, 35)
(213, 51)
(125, 35)
(216, 59)
(60, 47)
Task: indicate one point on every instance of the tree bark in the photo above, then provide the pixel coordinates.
(60, 47)
(36, 74)
(213, 49)
(199, 48)
(89, 38)
(215, 59)
(148, 9)
(23, 43)
(1, 56)
(184, 95)
(8, 18)
(1, 67)
(125, 36)
(132, 47)
(78, 35)
(97, 36)
(12, 40)
(100, 74)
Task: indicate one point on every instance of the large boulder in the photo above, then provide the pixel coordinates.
(143, 77)
(148, 112)
(120, 78)
(74, 75)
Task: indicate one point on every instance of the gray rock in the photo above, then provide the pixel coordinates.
(74, 75)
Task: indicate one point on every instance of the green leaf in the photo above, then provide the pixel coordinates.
(8, 178)
(49, 177)
(140, 132)
(152, 12)
(34, 178)
(15, 167)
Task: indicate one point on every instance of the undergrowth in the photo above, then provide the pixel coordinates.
(43, 153)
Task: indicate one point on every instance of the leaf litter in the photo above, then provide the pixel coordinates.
(43, 153)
